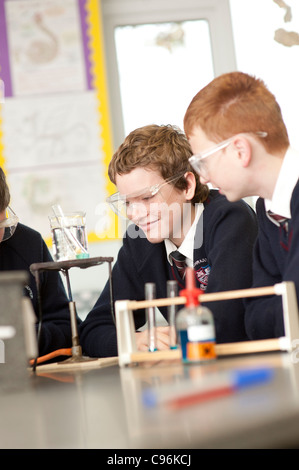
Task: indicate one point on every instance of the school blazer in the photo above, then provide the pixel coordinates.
(275, 260)
(222, 258)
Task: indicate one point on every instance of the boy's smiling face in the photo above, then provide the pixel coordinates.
(166, 214)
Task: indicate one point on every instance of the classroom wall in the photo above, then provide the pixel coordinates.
(265, 43)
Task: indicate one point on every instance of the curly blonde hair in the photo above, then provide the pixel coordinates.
(162, 148)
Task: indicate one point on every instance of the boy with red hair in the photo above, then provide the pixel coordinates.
(241, 146)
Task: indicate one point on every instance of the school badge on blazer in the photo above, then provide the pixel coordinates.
(202, 276)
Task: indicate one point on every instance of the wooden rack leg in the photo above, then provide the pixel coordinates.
(290, 311)
(125, 326)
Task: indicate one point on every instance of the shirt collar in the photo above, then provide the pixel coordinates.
(187, 246)
(286, 181)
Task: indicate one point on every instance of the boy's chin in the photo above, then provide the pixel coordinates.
(155, 239)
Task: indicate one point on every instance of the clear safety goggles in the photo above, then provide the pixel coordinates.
(124, 204)
(8, 225)
(197, 161)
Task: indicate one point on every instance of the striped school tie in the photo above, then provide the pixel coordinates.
(180, 262)
(283, 221)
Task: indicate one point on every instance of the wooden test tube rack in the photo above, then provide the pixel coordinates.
(127, 350)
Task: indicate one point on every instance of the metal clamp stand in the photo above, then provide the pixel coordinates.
(64, 266)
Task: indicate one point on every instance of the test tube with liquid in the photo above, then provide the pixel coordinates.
(150, 294)
(172, 291)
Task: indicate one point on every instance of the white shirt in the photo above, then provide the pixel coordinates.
(187, 246)
(285, 184)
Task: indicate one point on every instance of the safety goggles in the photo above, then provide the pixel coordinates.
(123, 204)
(197, 161)
(8, 225)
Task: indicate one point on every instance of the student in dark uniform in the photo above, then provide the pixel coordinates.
(241, 145)
(20, 246)
(170, 210)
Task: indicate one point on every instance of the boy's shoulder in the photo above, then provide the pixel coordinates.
(217, 200)
(295, 193)
(26, 235)
(214, 197)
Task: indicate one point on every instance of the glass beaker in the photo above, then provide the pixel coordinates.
(69, 236)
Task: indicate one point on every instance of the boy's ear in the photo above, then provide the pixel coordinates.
(190, 191)
(243, 147)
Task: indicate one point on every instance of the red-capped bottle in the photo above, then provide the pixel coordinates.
(195, 325)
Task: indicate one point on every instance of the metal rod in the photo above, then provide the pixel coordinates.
(76, 348)
(68, 284)
(111, 291)
(40, 318)
(150, 294)
(172, 291)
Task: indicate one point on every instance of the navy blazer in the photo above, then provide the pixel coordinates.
(276, 259)
(222, 258)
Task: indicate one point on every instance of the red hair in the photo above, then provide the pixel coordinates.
(234, 103)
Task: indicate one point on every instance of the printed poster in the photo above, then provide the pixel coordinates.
(55, 136)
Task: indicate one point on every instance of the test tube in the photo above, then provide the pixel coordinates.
(150, 294)
(172, 291)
